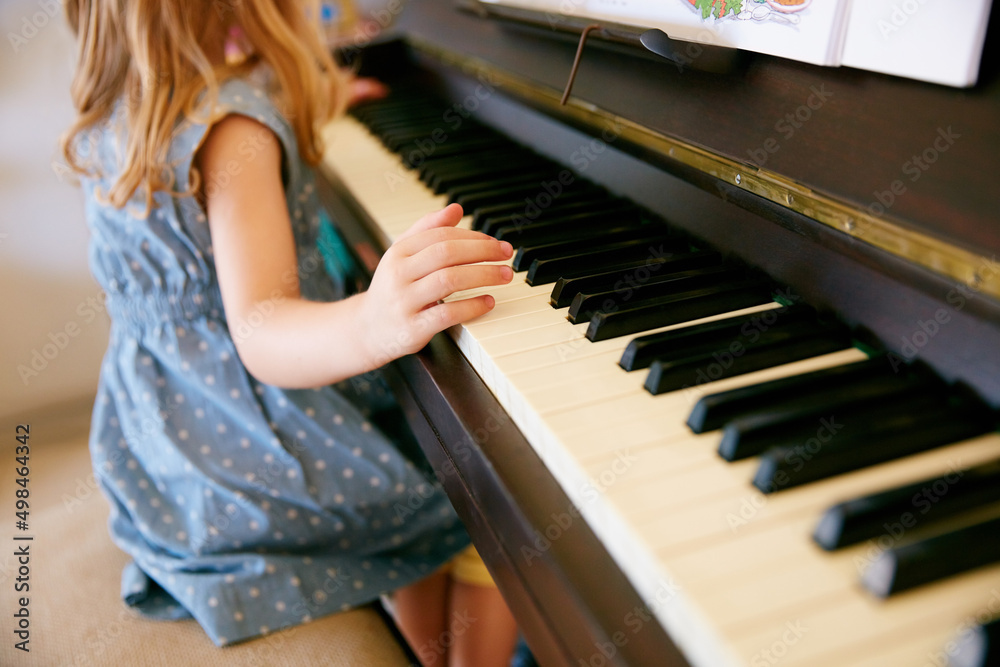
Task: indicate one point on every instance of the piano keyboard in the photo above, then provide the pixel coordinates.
(732, 573)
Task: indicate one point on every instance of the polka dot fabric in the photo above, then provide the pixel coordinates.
(244, 505)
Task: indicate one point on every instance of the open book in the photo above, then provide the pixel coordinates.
(932, 40)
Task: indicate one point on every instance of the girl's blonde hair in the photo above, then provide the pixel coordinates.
(160, 56)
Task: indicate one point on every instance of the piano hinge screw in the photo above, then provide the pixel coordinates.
(850, 224)
(739, 179)
(977, 279)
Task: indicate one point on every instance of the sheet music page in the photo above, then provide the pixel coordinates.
(931, 40)
(807, 30)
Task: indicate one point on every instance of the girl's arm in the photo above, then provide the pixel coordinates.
(285, 340)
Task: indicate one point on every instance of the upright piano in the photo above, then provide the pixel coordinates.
(799, 266)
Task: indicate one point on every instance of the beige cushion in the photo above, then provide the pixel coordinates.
(77, 616)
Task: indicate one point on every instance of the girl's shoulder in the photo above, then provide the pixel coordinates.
(250, 96)
(243, 95)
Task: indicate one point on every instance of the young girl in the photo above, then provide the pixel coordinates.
(250, 493)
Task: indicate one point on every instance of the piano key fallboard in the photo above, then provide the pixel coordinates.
(730, 569)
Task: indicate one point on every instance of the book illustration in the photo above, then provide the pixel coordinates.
(800, 29)
(751, 11)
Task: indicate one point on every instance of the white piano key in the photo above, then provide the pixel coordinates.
(720, 520)
(670, 409)
(924, 647)
(515, 290)
(860, 620)
(576, 346)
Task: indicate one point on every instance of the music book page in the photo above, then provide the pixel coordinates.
(807, 30)
(932, 40)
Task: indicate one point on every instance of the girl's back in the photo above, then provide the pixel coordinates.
(245, 505)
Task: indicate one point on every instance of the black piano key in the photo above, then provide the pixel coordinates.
(587, 304)
(399, 131)
(423, 138)
(978, 647)
(370, 111)
(449, 173)
(667, 376)
(913, 506)
(424, 126)
(489, 177)
(419, 124)
(377, 120)
(375, 108)
(840, 445)
(528, 178)
(907, 566)
(527, 181)
(592, 209)
(582, 240)
(393, 107)
(504, 191)
(473, 199)
(726, 340)
(752, 434)
(477, 162)
(714, 410)
(685, 307)
(414, 154)
(642, 351)
(544, 271)
(417, 143)
(527, 210)
(566, 289)
(552, 230)
(403, 96)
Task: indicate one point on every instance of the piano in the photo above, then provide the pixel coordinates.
(817, 297)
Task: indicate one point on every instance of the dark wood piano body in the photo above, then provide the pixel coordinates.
(565, 589)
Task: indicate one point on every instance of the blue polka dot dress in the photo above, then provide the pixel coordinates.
(244, 505)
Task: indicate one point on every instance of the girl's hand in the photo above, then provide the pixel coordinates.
(430, 261)
(362, 89)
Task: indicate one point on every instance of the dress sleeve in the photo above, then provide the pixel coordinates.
(236, 96)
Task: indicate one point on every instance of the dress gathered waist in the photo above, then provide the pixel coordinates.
(140, 311)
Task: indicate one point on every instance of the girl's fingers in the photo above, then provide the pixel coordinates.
(449, 216)
(364, 89)
(443, 283)
(444, 315)
(404, 247)
(458, 252)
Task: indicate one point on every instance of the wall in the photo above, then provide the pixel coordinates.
(45, 284)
